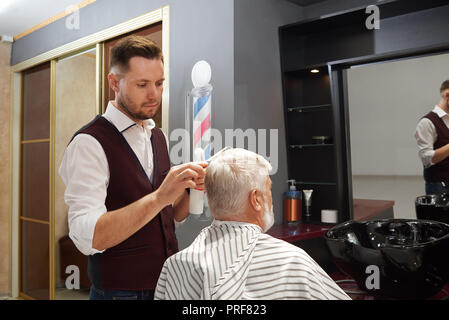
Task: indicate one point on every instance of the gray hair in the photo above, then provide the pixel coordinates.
(231, 176)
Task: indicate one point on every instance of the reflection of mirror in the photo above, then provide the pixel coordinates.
(75, 106)
(386, 101)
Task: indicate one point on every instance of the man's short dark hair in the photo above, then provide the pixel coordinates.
(444, 86)
(133, 46)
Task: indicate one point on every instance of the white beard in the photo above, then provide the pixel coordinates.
(268, 217)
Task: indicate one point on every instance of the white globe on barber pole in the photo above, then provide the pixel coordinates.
(201, 74)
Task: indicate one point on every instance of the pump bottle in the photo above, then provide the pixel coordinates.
(292, 203)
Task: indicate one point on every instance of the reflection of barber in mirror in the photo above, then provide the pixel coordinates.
(123, 196)
(432, 135)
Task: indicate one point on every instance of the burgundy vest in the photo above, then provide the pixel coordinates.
(438, 172)
(135, 263)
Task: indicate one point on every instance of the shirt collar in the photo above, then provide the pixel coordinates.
(440, 112)
(232, 223)
(121, 121)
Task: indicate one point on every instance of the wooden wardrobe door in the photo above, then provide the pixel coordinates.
(35, 184)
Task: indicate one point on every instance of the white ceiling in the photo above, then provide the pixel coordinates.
(17, 16)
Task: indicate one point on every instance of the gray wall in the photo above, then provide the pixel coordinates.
(257, 96)
(258, 100)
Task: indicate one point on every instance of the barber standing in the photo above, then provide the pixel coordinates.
(432, 135)
(123, 197)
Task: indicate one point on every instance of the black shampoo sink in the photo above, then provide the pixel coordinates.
(411, 257)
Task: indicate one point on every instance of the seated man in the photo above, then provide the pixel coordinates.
(233, 258)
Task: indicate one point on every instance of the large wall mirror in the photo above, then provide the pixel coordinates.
(386, 100)
(75, 106)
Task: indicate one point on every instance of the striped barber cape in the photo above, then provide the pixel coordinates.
(235, 260)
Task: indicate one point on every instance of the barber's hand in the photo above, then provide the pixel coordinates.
(188, 175)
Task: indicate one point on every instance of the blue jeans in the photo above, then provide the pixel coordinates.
(436, 188)
(100, 294)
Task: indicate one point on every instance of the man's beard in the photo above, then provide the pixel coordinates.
(268, 217)
(124, 104)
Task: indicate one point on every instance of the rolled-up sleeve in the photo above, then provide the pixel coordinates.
(85, 172)
(425, 136)
(179, 223)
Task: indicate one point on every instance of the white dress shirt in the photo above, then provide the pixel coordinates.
(426, 135)
(85, 172)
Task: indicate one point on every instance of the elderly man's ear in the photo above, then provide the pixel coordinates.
(256, 200)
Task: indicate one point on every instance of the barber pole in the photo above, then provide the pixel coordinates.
(201, 96)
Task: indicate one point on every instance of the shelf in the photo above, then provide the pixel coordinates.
(305, 70)
(317, 183)
(302, 146)
(319, 107)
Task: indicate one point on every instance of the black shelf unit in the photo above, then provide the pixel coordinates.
(311, 107)
(308, 113)
(314, 108)
(302, 146)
